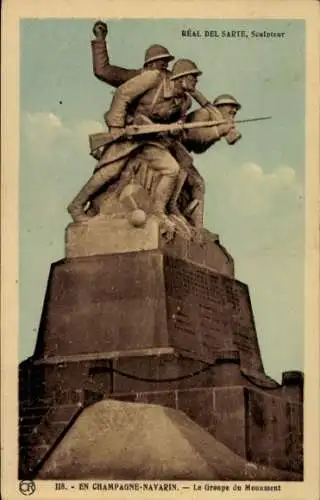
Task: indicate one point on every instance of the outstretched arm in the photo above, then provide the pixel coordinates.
(198, 140)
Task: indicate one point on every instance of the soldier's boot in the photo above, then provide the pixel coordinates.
(195, 209)
(194, 212)
(162, 195)
(173, 203)
(195, 216)
(77, 207)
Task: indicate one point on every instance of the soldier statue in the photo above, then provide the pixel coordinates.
(155, 95)
(224, 106)
(150, 97)
(198, 140)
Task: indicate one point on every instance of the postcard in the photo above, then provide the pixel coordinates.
(160, 249)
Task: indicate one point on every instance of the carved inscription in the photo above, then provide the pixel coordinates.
(210, 312)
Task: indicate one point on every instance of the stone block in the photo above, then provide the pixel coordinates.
(107, 234)
(100, 304)
(58, 378)
(144, 367)
(229, 425)
(208, 252)
(25, 386)
(103, 235)
(129, 398)
(168, 399)
(208, 312)
(144, 300)
(226, 371)
(197, 404)
(220, 411)
(293, 385)
(45, 435)
(274, 430)
(159, 370)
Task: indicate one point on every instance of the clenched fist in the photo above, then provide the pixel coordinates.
(100, 30)
(225, 128)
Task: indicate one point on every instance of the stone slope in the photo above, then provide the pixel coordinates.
(132, 441)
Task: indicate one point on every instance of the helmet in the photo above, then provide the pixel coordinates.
(184, 67)
(226, 99)
(156, 52)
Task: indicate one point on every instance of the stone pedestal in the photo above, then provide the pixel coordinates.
(141, 300)
(107, 235)
(144, 320)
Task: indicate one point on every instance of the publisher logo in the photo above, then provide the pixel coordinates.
(27, 487)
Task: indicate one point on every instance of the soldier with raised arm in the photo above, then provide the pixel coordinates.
(156, 57)
(160, 109)
(151, 97)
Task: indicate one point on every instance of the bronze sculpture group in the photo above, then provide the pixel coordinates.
(152, 170)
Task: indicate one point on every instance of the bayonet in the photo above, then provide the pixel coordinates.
(105, 138)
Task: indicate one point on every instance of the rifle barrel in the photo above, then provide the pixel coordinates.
(254, 119)
(154, 128)
(103, 138)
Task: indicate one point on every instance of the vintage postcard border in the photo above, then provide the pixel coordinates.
(13, 11)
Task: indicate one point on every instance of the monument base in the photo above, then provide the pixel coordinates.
(256, 418)
(142, 300)
(166, 324)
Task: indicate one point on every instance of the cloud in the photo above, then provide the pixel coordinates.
(85, 127)
(55, 162)
(258, 212)
(44, 119)
(42, 128)
(249, 190)
(42, 131)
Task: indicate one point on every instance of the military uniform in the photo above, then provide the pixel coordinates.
(115, 76)
(153, 96)
(158, 100)
(200, 139)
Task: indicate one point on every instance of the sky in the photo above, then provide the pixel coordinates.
(254, 189)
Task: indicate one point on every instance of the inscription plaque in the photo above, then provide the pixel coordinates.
(212, 311)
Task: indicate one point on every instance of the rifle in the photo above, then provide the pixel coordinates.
(104, 138)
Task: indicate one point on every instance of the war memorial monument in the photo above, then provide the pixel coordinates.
(147, 363)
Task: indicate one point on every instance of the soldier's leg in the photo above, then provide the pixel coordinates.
(195, 210)
(173, 203)
(105, 174)
(160, 160)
